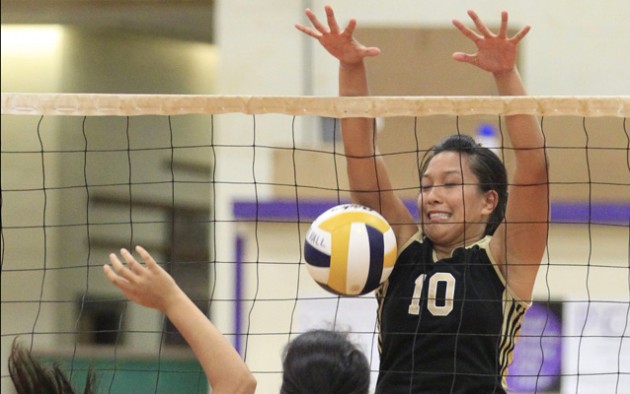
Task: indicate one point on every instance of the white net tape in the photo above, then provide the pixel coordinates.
(131, 105)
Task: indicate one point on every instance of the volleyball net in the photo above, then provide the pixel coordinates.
(222, 189)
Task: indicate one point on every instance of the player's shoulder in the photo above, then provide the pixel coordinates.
(413, 249)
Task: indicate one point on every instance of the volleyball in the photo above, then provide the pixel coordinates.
(350, 250)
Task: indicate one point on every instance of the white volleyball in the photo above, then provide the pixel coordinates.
(350, 250)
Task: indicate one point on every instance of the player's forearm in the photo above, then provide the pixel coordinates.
(510, 83)
(223, 366)
(353, 79)
(358, 133)
(358, 136)
(524, 130)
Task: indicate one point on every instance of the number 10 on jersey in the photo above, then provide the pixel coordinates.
(441, 306)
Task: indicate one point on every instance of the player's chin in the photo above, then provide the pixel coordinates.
(436, 230)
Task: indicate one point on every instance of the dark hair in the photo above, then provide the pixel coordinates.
(485, 164)
(29, 376)
(324, 361)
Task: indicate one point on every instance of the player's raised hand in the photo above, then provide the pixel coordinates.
(496, 52)
(340, 43)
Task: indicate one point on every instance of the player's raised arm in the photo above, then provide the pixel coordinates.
(367, 173)
(519, 243)
(150, 285)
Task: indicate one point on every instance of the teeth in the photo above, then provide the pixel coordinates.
(439, 215)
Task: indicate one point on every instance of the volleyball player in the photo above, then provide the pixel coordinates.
(317, 361)
(150, 285)
(451, 310)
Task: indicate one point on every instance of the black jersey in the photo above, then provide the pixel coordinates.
(446, 326)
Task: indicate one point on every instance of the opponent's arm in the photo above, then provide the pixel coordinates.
(151, 286)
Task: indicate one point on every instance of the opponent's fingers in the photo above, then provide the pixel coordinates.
(481, 27)
(332, 22)
(132, 264)
(149, 261)
(117, 269)
(127, 288)
(115, 262)
(110, 274)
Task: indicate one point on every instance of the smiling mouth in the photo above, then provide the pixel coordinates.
(439, 216)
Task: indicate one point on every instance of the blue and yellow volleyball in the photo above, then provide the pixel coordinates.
(350, 250)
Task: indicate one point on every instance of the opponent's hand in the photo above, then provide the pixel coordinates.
(339, 43)
(496, 53)
(148, 285)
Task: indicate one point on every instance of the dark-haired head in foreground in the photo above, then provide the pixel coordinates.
(30, 376)
(324, 361)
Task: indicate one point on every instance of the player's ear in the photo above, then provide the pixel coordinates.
(491, 200)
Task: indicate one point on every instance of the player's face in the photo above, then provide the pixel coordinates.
(453, 209)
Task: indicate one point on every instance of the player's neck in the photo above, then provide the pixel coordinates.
(446, 251)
